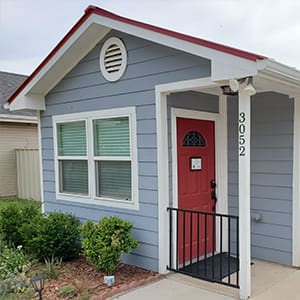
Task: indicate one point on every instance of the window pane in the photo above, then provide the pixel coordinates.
(194, 139)
(114, 179)
(111, 137)
(71, 138)
(73, 176)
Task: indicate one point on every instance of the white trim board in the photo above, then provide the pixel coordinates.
(161, 92)
(18, 118)
(41, 161)
(296, 185)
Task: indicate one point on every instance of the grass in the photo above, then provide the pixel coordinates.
(4, 202)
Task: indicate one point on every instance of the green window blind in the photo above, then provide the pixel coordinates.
(111, 137)
(114, 179)
(71, 139)
(73, 176)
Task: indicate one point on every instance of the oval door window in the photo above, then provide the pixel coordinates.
(193, 139)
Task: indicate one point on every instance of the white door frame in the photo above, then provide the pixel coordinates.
(221, 174)
(219, 167)
(161, 92)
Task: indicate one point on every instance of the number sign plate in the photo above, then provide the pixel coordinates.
(196, 163)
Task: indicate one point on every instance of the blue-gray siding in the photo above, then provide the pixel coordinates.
(271, 174)
(85, 89)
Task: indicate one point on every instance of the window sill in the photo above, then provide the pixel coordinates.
(121, 204)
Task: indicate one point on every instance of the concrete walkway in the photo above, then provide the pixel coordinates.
(269, 282)
(169, 288)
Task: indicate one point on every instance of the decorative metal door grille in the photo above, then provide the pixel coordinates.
(193, 139)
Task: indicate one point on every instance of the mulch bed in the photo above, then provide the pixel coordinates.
(89, 282)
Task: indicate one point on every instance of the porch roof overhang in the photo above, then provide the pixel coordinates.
(226, 62)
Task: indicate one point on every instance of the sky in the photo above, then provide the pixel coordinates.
(30, 29)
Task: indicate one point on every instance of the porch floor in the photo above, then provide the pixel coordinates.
(269, 282)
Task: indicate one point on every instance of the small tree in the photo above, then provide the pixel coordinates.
(104, 243)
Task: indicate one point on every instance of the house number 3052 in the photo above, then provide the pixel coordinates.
(242, 137)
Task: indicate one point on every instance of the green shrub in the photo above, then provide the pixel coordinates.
(12, 261)
(12, 217)
(57, 235)
(105, 242)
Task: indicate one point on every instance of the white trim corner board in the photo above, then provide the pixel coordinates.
(296, 185)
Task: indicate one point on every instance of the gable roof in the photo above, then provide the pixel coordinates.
(226, 62)
(9, 83)
(104, 13)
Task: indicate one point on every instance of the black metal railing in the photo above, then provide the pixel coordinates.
(204, 245)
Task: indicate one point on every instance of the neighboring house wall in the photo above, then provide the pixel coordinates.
(271, 174)
(28, 173)
(13, 136)
(85, 89)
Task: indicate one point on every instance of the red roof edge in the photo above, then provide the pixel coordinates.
(101, 12)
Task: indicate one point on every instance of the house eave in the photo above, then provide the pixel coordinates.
(30, 102)
(18, 119)
(275, 76)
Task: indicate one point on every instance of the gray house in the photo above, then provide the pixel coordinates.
(194, 142)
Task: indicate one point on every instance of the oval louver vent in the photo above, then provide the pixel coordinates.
(113, 59)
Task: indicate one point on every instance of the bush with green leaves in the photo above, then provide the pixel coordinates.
(57, 235)
(12, 261)
(12, 217)
(104, 243)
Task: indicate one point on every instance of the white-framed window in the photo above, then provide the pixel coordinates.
(96, 157)
(72, 157)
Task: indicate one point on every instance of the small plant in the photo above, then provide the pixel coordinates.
(57, 235)
(51, 267)
(12, 217)
(14, 283)
(105, 242)
(12, 261)
(67, 291)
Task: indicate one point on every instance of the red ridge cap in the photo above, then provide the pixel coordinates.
(104, 13)
(216, 46)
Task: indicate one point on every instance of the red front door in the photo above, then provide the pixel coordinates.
(196, 170)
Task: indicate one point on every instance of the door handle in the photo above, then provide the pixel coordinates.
(213, 184)
(213, 196)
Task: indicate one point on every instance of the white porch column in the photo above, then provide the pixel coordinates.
(244, 127)
(296, 183)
